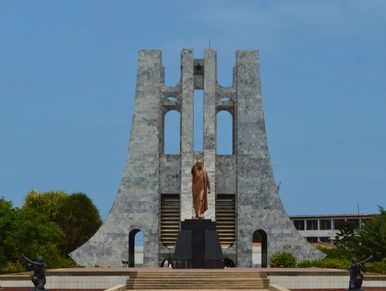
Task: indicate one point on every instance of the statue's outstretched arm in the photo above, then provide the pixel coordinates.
(27, 260)
(32, 263)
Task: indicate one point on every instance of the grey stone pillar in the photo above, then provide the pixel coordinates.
(210, 80)
(136, 205)
(258, 203)
(187, 122)
(247, 150)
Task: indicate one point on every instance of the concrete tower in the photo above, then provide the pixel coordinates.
(155, 191)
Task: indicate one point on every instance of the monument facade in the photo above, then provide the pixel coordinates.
(155, 193)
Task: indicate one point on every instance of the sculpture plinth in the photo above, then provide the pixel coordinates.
(198, 246)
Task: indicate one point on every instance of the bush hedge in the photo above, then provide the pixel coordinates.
(335, 259)
(283, 260)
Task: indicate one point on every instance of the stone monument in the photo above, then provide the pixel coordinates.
(155, 191)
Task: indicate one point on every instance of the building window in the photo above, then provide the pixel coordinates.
(312, 239)
(325, 224)
(312, 224)
(299, 224)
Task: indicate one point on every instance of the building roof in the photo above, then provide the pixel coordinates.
(334, 216)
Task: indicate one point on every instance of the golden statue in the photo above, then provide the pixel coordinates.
(200, 188)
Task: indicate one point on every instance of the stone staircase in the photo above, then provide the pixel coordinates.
(170, 219)
(226, 219)
(199, 279)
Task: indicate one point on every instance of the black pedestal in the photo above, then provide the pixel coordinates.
(198, 246)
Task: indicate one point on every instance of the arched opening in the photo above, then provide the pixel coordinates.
(171, 64)
(172, 135)
(166, 263)
(225, 69)
(224, 134)
(228, 263)
(259, 249)
(172, 99)
(135, 247)
(225, 99)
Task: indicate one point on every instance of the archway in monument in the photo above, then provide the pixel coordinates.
(259, 249)
(172, 137)
(135, 247)
(224, 133)
(229, 263)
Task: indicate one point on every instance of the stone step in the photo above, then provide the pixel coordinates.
(186, 274)
(197, 279)
(195, 286)
(234, 280)
(201, 289)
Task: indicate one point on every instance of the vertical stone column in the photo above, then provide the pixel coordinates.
(137, 202)
(210, 127)
(258, 203)
(187, 122)
(247, 152)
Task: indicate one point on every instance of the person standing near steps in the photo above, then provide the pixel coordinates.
(200, 189)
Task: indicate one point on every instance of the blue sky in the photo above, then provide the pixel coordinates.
(67, 85)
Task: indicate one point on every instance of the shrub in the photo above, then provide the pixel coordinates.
(283, 260)
(333, 263)
(12, 267)
(306, 264)
(376, 267)
(336, 253)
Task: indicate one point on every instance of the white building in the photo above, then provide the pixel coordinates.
(323, 228)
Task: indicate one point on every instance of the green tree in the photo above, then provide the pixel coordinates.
(79, 220)
(48, 203)
(372, 237)
(346, 238)
(30, 232)
(26, 231)
(369, 239)
(6, 217)
(76, 215)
